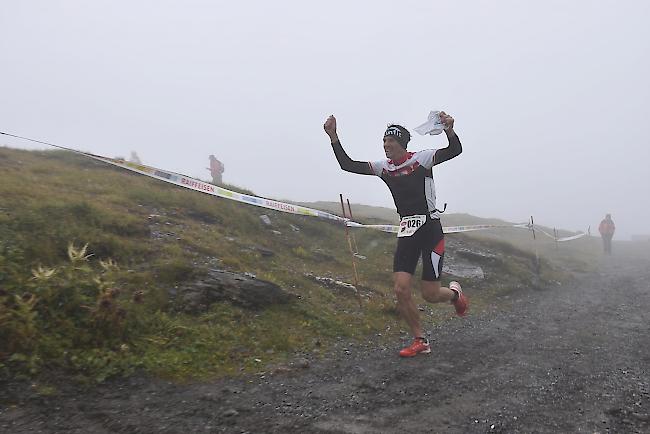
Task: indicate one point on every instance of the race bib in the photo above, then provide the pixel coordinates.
(409, 224)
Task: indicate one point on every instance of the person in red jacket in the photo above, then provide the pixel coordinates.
(216, 170)
(606, 229)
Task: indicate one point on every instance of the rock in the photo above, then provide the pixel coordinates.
(266, 220)
(328, 282)
(464, 270)
(230, 413)
(265, 252)
(204, 217)
(239, 289)
(301, 363)
(321, 255)
(282, 369)
(481, 257)
(210, 397)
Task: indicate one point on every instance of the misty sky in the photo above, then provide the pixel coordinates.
(551, 99)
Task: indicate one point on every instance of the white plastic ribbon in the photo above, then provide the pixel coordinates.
(562, 239)
(446, 229)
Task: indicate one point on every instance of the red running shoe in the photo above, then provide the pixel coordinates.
(462, 303)
(418, 346)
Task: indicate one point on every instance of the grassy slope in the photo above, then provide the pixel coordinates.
(162, 235)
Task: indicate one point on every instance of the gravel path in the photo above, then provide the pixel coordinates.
(573, 358)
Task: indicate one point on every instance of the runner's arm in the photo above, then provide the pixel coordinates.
(453, 150)
(347, 163)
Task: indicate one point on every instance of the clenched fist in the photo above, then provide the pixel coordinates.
(330, 127)
(447, 120)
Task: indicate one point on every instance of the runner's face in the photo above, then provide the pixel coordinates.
(392, 148)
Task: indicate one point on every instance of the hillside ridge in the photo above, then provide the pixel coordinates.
(149, 245)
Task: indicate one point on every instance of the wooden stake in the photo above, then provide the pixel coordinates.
(354, 264)
(354, 241)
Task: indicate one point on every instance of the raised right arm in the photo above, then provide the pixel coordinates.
(346, 163)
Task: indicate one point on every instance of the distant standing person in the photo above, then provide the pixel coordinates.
(216, 170)
(607, 229)
(134, 158)
(409, 178)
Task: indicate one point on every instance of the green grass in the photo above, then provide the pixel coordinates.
(161, 236)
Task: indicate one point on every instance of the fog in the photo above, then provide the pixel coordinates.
(551, 99)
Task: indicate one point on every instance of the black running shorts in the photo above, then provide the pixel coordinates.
(428, 242)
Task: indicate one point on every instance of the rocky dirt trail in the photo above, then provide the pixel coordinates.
(572, 358)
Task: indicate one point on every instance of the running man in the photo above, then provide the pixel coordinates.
(409, 177)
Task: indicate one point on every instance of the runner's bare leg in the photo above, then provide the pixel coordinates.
(405, 304)
(434, 293)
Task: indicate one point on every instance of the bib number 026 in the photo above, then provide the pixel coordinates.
(410, 224)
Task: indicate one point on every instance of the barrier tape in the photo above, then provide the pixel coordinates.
(446, 229)
(214, 190)
(563, 239)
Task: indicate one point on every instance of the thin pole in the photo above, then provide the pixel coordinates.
(537, 264)
(555, 235)
(354, 241)
(532, 226)
(354, 264)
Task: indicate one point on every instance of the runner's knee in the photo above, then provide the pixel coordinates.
(402, 291)
(402, 286)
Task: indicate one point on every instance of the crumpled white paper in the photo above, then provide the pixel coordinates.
(433, 126)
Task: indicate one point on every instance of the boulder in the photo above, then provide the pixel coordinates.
(239, 289)
(266, 253)
(480, 256)
(464, 270)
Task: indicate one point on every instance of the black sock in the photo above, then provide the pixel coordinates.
(455, 297)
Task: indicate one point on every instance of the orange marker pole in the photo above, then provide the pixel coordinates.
(354, 241)
(354, 264)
